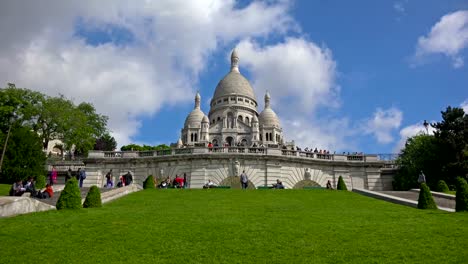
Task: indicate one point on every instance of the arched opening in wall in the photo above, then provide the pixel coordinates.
(271, 137)
(191, 137)
(261, 138)
(306, 183)
(196, 137)
(247, 120)
(215, 142)
(240, 118)
(244, 142)
(213, 122)
(234, 182)
(229, 141)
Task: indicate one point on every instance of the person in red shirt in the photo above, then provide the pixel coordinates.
(47, 193)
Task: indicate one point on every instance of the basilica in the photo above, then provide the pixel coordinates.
(233, 119)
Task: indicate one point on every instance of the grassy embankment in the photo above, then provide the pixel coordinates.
(235, 226)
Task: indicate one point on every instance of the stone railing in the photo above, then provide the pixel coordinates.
(246, 151)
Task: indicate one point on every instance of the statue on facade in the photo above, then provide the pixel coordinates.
(307, 175)
(236, 168)
(161, 173)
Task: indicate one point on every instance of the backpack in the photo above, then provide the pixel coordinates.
(83, 174)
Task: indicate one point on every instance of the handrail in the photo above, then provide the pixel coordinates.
(388, 159)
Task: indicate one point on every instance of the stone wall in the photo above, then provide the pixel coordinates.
(262, 170)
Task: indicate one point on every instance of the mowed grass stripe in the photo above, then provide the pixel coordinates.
(235, 226)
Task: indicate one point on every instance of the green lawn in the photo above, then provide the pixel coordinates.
(235, 226)
(4, 189)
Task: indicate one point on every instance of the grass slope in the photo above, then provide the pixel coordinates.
(4, 189)
(235, 226)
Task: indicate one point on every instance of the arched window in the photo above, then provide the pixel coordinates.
(213, 122)
(219, 118)
(196, 139)
(247, 120)
(271, 137)
(266, 136)
(261, 137)
(240, 118)
(191, 137)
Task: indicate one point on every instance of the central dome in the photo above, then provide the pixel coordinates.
(234, 83)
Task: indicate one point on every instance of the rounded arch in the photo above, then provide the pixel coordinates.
(244, 142)
(240, 118)
(230, 141)
(234, 182)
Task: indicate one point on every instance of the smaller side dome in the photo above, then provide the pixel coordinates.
(205, 119)
(268, 117)
(255, 119)
(194, 118)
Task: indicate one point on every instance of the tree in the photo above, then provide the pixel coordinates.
(425, 200)
(23, 156)
(452, 132)
(461, 197)
(421, 153)
(70, 197)
(106, 142)
(341, 184)
(93, 198)
(149, 182)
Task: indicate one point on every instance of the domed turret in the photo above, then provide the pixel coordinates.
(205, 119)
(196, 116)
(234, 83)
(268, 117)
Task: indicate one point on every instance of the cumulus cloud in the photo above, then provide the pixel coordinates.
(382, 124)
(464, 105)
(168, 47)
(411, 131)
(448, 37)
(294, 69)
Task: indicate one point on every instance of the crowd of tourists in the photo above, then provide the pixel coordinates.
(29, 186)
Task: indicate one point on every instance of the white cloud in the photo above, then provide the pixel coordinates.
(411, 131)
(464, 105)
(172, 39)
(399, 7)
(449, 37)
(382, 124)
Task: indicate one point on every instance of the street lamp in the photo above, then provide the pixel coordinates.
(12, 119)
(426, 125)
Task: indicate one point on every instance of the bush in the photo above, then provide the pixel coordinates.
(93, 198)
(149, 182)
(461, 195)
(70, 197)
(341, 184)
(442, 186)
(425, 200)
(40, 181)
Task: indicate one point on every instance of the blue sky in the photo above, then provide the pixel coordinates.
(343, 75)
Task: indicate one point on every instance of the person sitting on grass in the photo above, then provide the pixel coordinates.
(29, 186)
(209, 185)
(278, 185)
(17, 189)
(47, 193)
(329, 185)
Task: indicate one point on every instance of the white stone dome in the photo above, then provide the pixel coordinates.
(234, 83)
(268, 117)
(205, 119)
(194, 118)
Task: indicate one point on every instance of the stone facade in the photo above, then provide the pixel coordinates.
(262, 165)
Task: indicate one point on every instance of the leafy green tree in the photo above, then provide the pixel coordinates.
(425, 200)
(461, 198)
(421, 153)
(452, 132)
(23, 156)
(442, 186)
(106, 142)
(341, 184)
(70, 197)
(93, 198)
(149, 182)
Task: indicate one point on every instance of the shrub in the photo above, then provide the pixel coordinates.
(425, 200)
(341, 184)
(40, 181)
(442, 186)
(93, 198)
(461, 195)
(70, 197)
(149, 182)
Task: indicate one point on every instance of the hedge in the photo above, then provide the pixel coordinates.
(425, 200)
(70, 197)
(93, 198)
(341, 184)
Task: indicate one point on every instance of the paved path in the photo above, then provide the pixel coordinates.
(441, 202)
(55, 197)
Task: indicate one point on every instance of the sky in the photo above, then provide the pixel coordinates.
(343, 75)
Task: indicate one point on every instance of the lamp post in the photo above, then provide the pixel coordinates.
(12, 119)
(426, 125)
